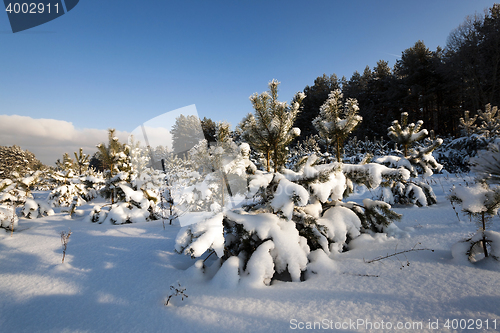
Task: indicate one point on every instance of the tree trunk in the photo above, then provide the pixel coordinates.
(268, 156)
(485, 249)
(338, 150)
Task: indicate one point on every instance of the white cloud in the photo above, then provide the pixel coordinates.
(49, 139)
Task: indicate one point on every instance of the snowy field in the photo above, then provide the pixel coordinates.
(116, 278)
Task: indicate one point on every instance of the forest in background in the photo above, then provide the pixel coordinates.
(434, 86)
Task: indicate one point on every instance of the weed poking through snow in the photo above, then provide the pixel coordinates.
(64, 241)
(176, 291)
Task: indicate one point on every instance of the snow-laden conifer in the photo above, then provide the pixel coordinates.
(286, 216)
(405, 134)
(336, 121)
(117, 165)
(467, 124)
(417, 160)
(481, 201)
(270, 129)
(489, 121)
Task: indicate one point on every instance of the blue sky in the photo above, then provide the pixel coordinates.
(119, 63)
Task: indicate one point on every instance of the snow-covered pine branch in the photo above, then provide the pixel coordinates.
(487, 163)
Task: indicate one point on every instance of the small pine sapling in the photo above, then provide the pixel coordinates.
(489, 119)
(467, 124)
(271, 129)
(481, 201)
(286, 216)
(415, 160)
(12, 221)
(336, 121)
(405, 134)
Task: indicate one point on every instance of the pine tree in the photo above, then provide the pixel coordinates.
(271, 129)
(336, 121)
(288, 215)
(116, 161)
(487, 164)
(404, 134)
(481, 202)
(467, 125)
(416, 160)
(489, 121)
(81, 161)
(186, 133)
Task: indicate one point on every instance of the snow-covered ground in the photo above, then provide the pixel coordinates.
(117, 278)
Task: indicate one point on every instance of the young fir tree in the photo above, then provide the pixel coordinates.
(116, 161)
(416, 160)
(66, 163)
(271, 129)
(467, 125)
(405, 135)
(16, 191)
(287, 216)
(481, 202)
(489, 120)
(336, 121)
(81, 161)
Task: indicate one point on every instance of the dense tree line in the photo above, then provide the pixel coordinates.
(15, 159)
(435, 86)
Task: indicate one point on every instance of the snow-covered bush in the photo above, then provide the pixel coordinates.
(455, 153)
(63, 195)
(287, 215)
(135, 208)
(16, 191)
(34, 209)
(8, 217)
